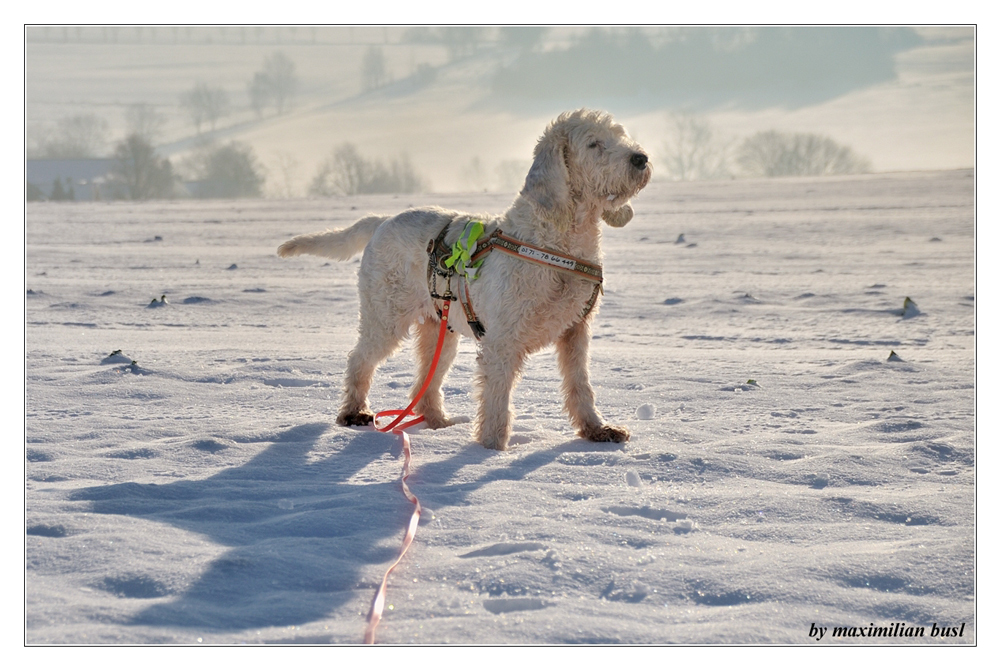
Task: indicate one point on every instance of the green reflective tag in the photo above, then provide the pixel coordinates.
(461, 250)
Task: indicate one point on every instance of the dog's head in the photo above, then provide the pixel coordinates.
(586, 165)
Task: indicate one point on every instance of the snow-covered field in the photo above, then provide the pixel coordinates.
(205, 494)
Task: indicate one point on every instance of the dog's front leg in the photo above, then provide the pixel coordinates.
(499, 368)
(572, 349)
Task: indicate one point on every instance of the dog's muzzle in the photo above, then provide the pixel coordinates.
(639, 161)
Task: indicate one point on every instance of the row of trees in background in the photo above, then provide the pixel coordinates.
(137, 172)
(87, 135)
(77, 136)
(273, 86)
(694, 151)
(219, 171)
(346, 172)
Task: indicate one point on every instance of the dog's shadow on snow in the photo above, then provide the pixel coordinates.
(306, 528)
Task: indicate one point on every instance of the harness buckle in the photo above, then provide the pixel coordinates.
(447, 290)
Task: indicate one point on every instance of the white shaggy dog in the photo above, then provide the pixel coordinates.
(585, 168)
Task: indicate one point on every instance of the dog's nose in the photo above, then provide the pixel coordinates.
(639, 161)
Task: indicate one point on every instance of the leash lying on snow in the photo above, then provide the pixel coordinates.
(463, 259)
(378, 603)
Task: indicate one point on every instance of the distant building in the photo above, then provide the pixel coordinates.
(68, 179)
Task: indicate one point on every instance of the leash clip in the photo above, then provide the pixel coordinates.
(447, 291)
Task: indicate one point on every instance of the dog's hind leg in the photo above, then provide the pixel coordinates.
(375, 344)
(432, 403)
(572, 351)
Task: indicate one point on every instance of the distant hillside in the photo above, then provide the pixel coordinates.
(751, 67)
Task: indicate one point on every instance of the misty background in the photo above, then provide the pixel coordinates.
(139, 112)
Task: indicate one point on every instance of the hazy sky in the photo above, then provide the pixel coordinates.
(460, 102)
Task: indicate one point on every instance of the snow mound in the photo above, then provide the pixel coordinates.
(645, 412)
(116, 357)
(910, 309)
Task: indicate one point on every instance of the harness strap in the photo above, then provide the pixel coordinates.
(443, 264)
(478, 329)
(529, 252)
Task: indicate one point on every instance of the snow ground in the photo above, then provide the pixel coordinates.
(205, 494)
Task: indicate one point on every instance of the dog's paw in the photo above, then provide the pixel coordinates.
(435, 421)
(606, 433)
(356, 418)
(493, 442)
(495, 445)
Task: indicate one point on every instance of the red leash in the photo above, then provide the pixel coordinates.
(375, 613)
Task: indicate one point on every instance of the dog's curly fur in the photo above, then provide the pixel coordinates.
(586, 168)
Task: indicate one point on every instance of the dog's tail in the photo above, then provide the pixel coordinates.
(336, 244)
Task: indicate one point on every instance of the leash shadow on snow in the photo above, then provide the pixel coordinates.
(303, 536)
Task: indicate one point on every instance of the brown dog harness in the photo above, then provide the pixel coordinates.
(438, 251)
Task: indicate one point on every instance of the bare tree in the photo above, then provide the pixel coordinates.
(79, 136)
(274, 84)
(693, 152)
(138, 173)
(59, 193)
(287, 167)
(373, 73)
(776, 154)
(205, 104)
(259, 93)
(228, 171)
(346, 172)
(143, 120)
(279, 72)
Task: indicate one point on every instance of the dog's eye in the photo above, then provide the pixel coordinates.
(596, 144)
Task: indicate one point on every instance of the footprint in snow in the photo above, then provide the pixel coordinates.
(503, 549)
(43, 530)
(506, 605)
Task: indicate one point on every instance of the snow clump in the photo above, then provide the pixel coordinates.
(645, 412)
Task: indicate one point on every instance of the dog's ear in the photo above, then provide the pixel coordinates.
(618, 217)
(547, 183)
